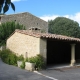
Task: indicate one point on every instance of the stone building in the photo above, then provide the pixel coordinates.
(27, 19)
(56, 49)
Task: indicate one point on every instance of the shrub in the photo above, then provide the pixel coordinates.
(20, 58)
(38, 60)
(8, 57)
(23, 65)
(12, 59)
(0, 53)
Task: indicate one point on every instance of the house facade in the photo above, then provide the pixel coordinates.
(56, 49)
(27, 19)
(26, 45)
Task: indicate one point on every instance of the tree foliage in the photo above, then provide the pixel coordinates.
(5, 4)
(64, 26)
(6, 29)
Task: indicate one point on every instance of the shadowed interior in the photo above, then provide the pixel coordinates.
(58, 52)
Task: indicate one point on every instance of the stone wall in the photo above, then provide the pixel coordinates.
(27, 19)
(43, 48)
(23, 44)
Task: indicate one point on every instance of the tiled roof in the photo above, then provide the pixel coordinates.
(47, 35)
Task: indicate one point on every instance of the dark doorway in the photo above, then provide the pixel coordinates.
(77, 53)
(58, 52)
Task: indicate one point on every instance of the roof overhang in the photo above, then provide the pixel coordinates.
(47, 35)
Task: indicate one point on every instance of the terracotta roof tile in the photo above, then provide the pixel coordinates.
(47, 35)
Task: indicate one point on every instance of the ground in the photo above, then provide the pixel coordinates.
(8, 72)
(63, 74)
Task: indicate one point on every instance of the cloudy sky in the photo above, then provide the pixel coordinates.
(49, 9)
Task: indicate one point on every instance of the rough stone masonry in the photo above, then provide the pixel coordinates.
(26, 19)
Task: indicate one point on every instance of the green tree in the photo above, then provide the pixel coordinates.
(5, 4)
(6, 29)
(64, 26)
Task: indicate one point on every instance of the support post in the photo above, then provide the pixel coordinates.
(72, 54)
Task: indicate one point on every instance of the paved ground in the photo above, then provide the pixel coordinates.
(63, 74)
(8, 72)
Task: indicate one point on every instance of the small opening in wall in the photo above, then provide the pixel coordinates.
(36, 28)
(14, 20)
(37, 23)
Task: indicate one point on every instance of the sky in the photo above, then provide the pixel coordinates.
(48, 9)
